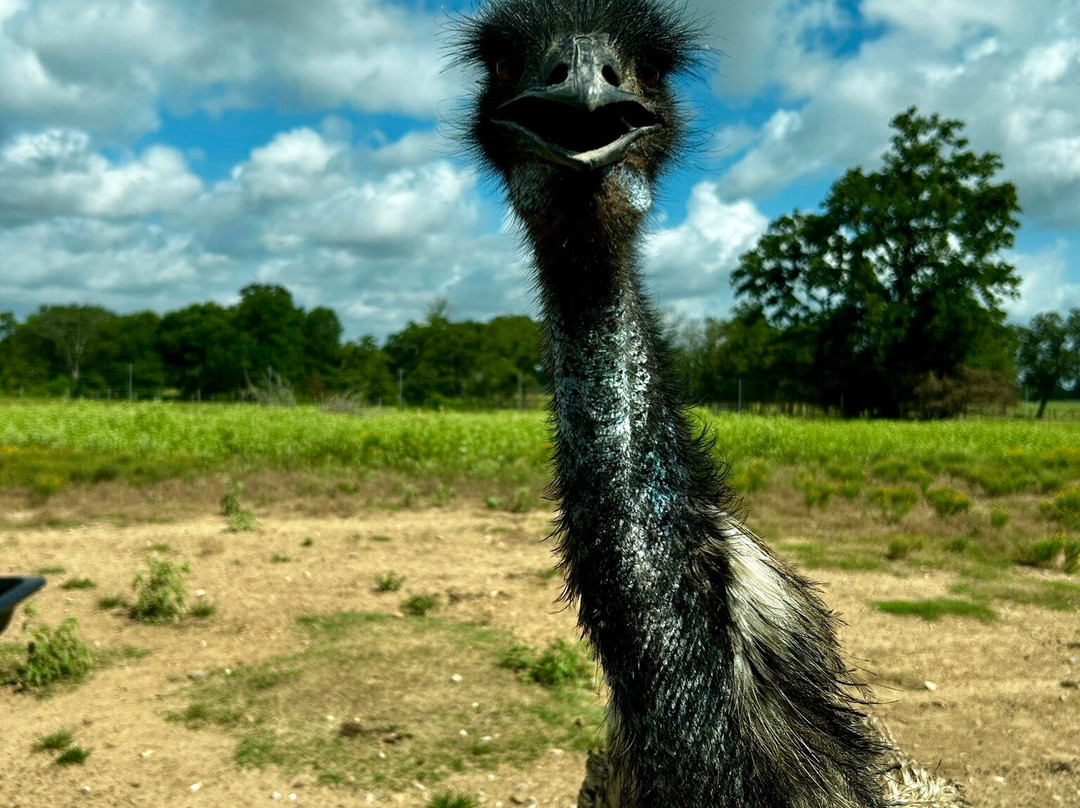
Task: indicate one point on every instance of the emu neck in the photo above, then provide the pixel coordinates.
(620, 469)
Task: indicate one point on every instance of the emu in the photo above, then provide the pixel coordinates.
(726, 685)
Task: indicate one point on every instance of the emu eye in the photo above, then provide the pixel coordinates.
(648, 75)
(507, 70)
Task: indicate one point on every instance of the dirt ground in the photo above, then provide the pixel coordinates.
(996, 715)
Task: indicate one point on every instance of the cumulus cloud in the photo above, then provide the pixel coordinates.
(1009, 70)
(110, 66)
(689, 265)
(1044, 283)
(57, 173)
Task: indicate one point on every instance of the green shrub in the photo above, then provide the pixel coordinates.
(523, 501)
(390, 582)
(751, 477)
(74, 756)
(999, 517)
(948, 501)
(203, 610)
(443, 495)
(78, 583)
(45, 486)
(493, 503)
(815, 493)
(54, 742)
(1065, 508)
(409, 495)
(894, 471)
(450, 800)
(419, 605)
(1056, 552)
(559, 664)
(161, 596)
(894, 502)
(238, 519)
(958, 545)
(904, 545)
(518, 657)
(53, 656)
(111, 602)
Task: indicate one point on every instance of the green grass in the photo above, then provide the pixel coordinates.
(387, 678)
(80, 441)
(1061, 596)
(54, 742)
(936, 608)
(78, 583)
(73, 756)
(451, 800)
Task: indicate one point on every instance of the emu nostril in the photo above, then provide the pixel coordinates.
(610, 76)
(558, 75)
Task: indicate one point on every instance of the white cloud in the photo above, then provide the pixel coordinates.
(380, 230)
(109, 66)
(690, 265)
(57, 173)
(1044, 283)
(1009, 70)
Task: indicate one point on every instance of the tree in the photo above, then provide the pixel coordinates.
(900, 275)
(1049, 354)
(271, 328)
(200, 348)
(70, 329)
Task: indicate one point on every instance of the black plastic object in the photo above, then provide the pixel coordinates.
(12, 590)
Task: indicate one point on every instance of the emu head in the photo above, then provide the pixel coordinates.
(576, 96)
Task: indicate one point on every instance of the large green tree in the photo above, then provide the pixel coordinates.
(900, 277)
(71, 330)
(1049, 354)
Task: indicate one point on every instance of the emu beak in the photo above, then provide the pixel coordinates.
(579, 116)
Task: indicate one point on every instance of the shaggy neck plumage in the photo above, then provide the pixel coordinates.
(725, 684)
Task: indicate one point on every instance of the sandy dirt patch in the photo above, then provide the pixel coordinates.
(997, 717)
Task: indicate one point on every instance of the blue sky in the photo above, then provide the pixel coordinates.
(155, 153)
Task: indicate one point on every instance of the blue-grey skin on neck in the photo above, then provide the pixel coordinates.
(720, 660)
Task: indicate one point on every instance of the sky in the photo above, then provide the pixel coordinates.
(156, 153)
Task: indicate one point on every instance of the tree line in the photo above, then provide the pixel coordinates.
(887, 301)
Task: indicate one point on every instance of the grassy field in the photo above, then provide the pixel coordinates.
(987, 509)
(154, 440)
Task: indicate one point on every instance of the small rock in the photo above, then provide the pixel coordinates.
(196, 675)
(457, 677)
(1073, 660)
(85, 789)
(464, 733)
(999, 779)
(194, 786)
(931, 686)
(276, 795)
(519, 796)
(146, 753)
